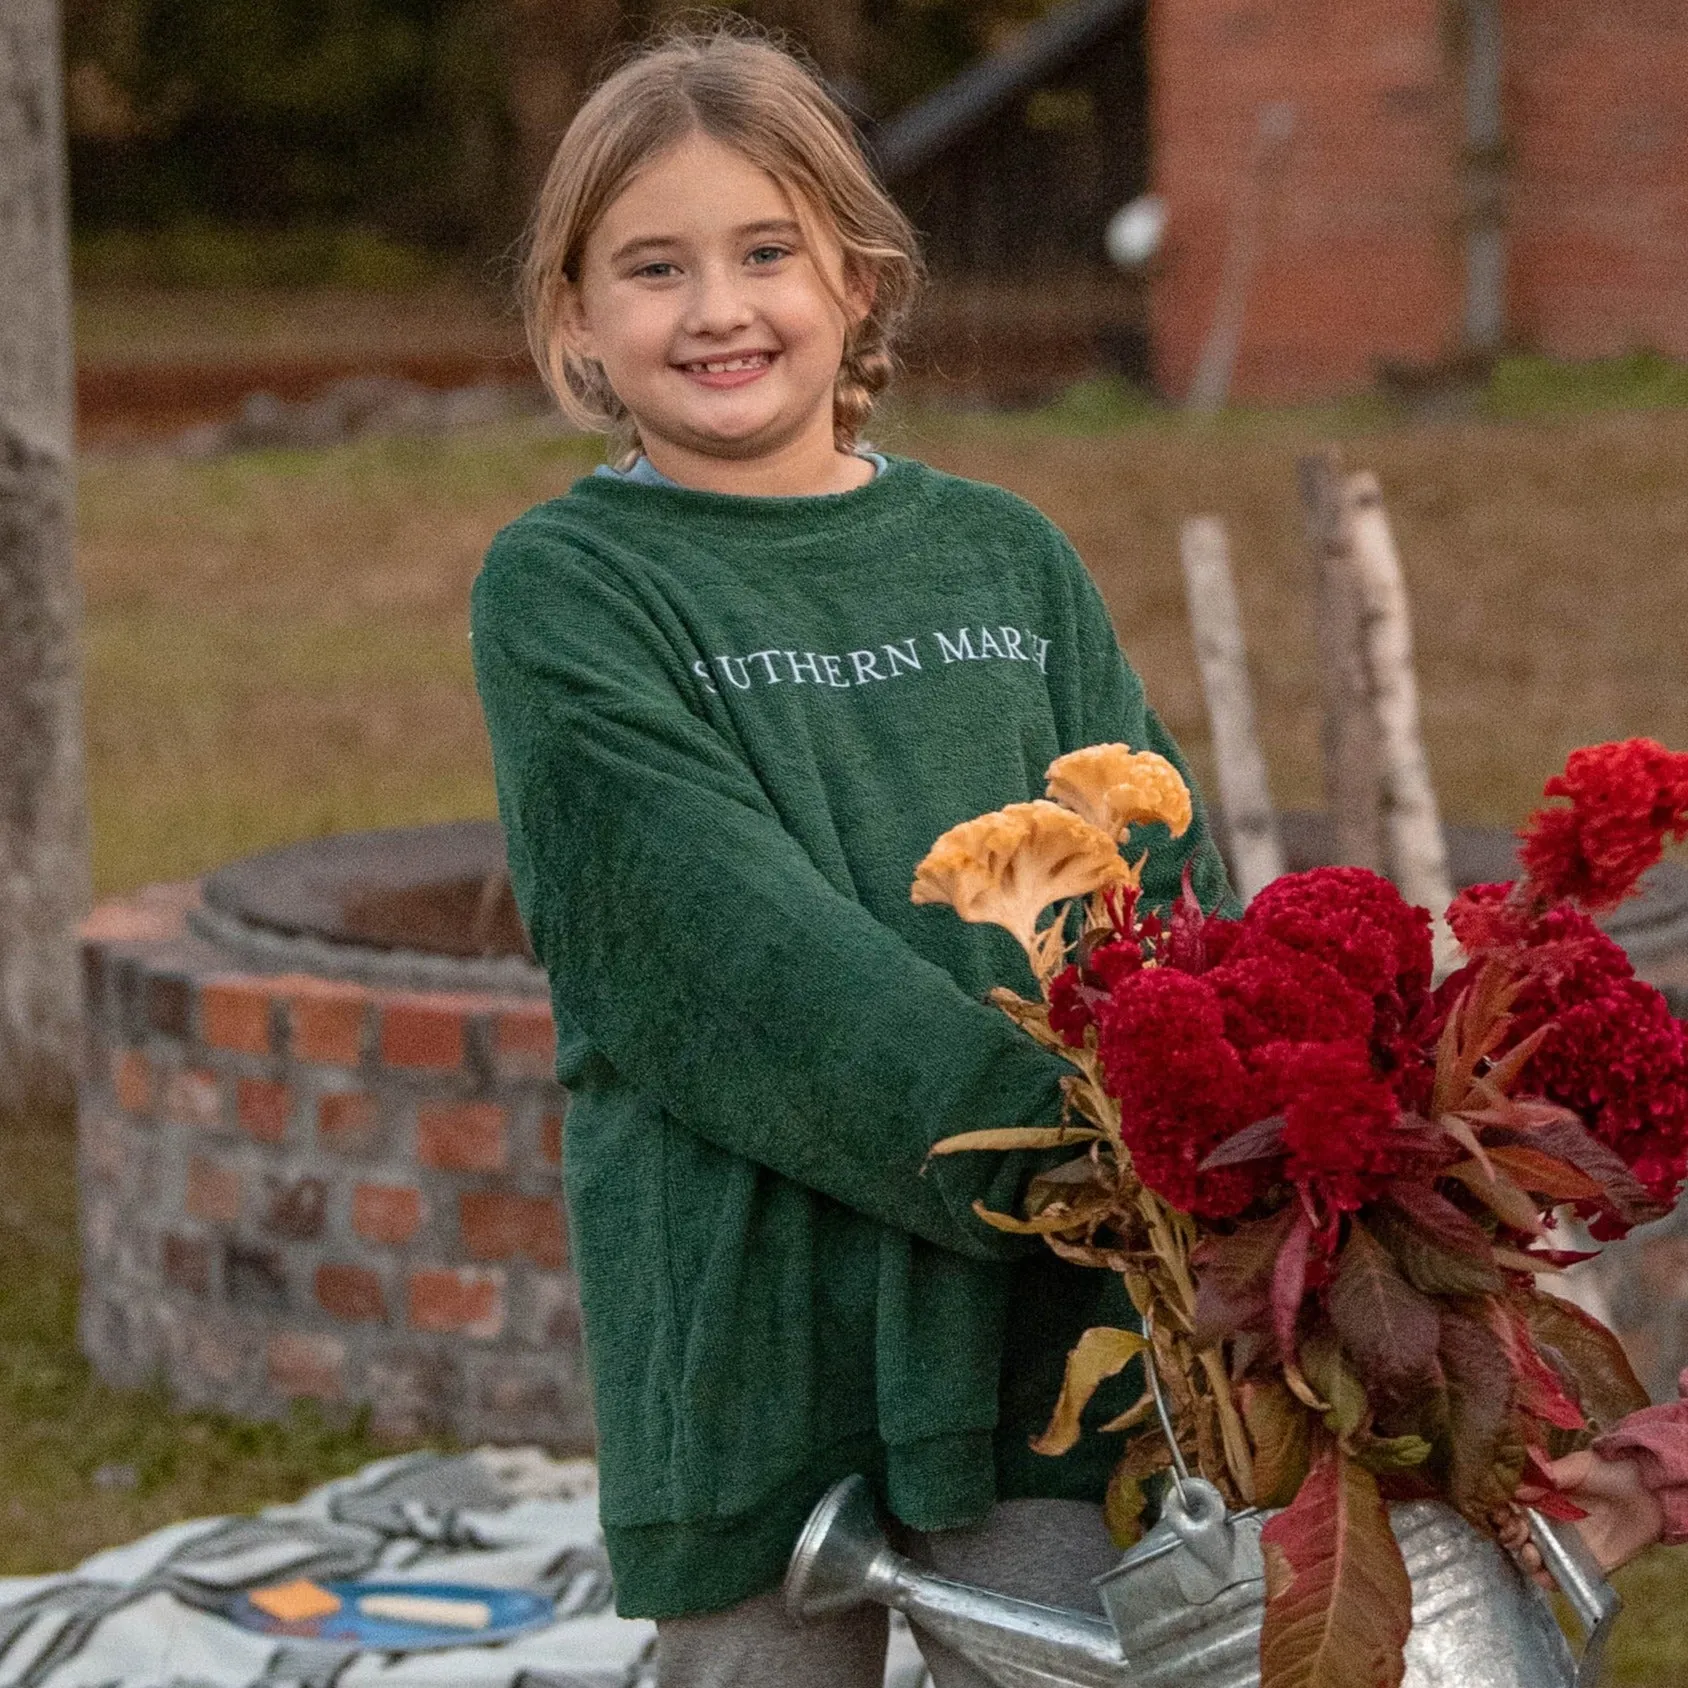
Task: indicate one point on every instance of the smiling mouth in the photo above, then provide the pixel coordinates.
(741, 364)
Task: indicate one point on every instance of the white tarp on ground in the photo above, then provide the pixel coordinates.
(149, 1615)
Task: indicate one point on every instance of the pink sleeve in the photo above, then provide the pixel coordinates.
(1656, 1438)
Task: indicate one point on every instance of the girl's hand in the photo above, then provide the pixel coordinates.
(1624, 1516)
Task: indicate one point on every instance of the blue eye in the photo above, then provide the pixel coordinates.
(658, 270)
(769, 254)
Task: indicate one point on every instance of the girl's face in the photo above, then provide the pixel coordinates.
(711, 314)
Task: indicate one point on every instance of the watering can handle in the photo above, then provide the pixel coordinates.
(1584, 1585)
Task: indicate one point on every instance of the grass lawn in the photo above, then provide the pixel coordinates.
(276, 648)
(81, 1466)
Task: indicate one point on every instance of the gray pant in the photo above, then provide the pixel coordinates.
(1042, 1550)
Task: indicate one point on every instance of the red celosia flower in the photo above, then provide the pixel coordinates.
(1619, 1059)
(1558, 950)
(1075, 990)
(1624, 799)
(1340, 1140)
(1069, 1006)
(1181, 1087)
(1272, 994)
(1351, 918)
(1486, 918)
(1613, 1053)
(1220, 937)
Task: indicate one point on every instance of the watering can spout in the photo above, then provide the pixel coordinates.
(843, 1558)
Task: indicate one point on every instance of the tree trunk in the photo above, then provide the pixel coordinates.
(43, 805)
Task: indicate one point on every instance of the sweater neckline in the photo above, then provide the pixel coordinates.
(802, 517)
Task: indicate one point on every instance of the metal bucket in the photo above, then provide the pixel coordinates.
(1184, 1606)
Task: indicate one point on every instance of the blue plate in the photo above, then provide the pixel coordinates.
(515, 1611)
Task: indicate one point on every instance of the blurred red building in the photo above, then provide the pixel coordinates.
(1457, 177)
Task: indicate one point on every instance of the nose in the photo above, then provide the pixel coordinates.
(717, 304)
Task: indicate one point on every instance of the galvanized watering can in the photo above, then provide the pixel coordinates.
(1184, 1605)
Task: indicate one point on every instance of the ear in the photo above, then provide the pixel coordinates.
(861, 287)
(573, 329)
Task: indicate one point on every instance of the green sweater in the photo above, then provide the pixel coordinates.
(724, 732)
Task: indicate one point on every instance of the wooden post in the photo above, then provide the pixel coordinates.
(1216, 626)
(1350, 728)
(1412, 824)
(1211, 384)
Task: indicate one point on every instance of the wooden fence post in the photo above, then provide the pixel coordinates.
(1216, 626)
(1412, 823)
(1350, 725)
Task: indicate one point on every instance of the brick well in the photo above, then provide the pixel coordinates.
(302, 1187)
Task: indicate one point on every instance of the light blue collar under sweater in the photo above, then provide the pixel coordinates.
(646, 472)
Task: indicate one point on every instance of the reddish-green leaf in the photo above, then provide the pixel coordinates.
(1280, 1429)
(1536, 1385)
(1389, 1330)
(1511, 1205)
(1450, 1226)
(1338, 1602)
(1427, 1258)
(1094, 1358)
(1289, 1283)
(1547, 1175)
(1234, 1277)
(1561, 1133)
(1259, 1141)
(1499, 1078)
(1387, 1455)
(1339, 1386)
(1588, 1357)
(1479, 1391)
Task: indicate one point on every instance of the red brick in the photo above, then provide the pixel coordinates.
(386, 1213)
(1357, 256)
(499, 1226)
(131, 1078)
(213, 1191)
(187, 1263)
(325, 1019)
(353, 1293)
(235, 1014)
(426, 1032)
(524, 1043)
(193, 1097)
(551, 1139)
(464, 1300)
(307, 1365)
(262, 1105)
(462, 1136)
(346, 1120)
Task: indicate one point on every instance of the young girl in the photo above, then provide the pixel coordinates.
(736, 687)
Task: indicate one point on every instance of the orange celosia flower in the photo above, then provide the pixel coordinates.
(1115, 787)
(1007, 867)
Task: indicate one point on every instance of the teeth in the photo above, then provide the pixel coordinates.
(731, 365)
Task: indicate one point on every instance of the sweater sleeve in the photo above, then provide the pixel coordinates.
(1112, 708)
(698, 947)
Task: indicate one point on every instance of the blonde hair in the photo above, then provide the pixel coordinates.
(737, 86)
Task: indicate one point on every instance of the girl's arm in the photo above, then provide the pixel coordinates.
(700, 949)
